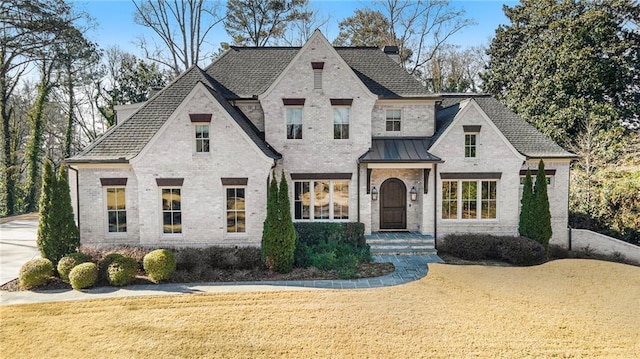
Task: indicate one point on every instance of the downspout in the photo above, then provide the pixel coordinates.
(568, 199)
(77, 197)
(435, 205)
(358, 206)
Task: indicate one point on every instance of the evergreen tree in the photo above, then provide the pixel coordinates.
(269, 228)
(541, 229)
(286, 231)
(65, 224)
(526, 215)
(44, 241)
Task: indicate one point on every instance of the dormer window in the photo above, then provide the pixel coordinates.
(317, 74)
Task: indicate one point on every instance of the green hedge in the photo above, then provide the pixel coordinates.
(331, 246)
(159, 264)
(84, 275)
(515, 250)
(66, 264)
(122, 271)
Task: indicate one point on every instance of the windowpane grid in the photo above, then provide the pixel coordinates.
(171, 212)
(236, 215)
(326, 200)
(294, 123)
(469, 145)
(341, 123)
(468, 198)
(202, 138)
(116, 210)
(393, 119)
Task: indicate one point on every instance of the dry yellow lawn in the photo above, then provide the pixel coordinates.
(567, 308)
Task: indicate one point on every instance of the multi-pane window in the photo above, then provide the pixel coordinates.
(116, 210)
(469, 145)
(171, 210)
(294, 123)
(236, 215)
(460, 199)
(341, 122)
(449, 199)
(394, 117)
(321, 200)
(202, 138)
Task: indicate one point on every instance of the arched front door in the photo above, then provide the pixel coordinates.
(393, 204)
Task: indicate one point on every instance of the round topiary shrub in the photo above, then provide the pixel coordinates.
(105, 262)
(35, 272)
(66, 264)
(84, 275)
(159, 264)
(122, 271)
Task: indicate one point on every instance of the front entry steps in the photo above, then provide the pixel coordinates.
(402, 243)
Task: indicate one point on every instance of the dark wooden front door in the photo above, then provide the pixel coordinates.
(393, 204)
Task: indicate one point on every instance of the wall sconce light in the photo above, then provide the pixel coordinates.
(374, 193)
(413, 194)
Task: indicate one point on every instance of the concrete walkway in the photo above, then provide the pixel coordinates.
(17, 245)
(407, 269)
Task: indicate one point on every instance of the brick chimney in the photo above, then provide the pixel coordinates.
(393, 52)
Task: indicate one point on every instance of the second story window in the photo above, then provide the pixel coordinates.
(294, 123)
(393, 118)
(341, 122)
(202, 138)
(469, 145)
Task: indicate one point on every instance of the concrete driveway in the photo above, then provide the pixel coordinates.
(17, 245)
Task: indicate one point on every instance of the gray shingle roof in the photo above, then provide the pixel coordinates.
(245, 72)
(525, 138)
(401, 150)
(125, 140)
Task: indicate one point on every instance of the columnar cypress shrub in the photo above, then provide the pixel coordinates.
(541, 228)
(269, 228)
(286, 232)
(45, 242)
(57, 231)
(65, 225)
(526, 213)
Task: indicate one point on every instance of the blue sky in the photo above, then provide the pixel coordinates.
(115, 25)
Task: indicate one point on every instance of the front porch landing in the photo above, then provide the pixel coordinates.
(401, 243)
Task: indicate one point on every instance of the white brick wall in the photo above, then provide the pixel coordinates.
(171, 154)
(417, 118)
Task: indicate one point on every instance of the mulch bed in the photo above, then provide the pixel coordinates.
(365, 270)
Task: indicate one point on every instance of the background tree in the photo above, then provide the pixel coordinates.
(126, 80)
(559, 62)
(300, 30)
(182, 28)
(541, 214)
(526, 209)
(262, 22)
(418, 27)
(27, 27)
(453, 69)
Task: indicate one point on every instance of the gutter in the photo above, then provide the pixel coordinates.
(358, 206)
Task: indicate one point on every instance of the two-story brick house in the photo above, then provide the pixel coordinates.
(357, 137)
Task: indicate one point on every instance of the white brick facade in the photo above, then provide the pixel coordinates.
(171, 154)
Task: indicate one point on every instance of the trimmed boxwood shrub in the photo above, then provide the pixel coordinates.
(122, 271)
(84, 275)
(105, 262)
(66, 264)
(159, 264)
(514, 250)
(35, 272)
